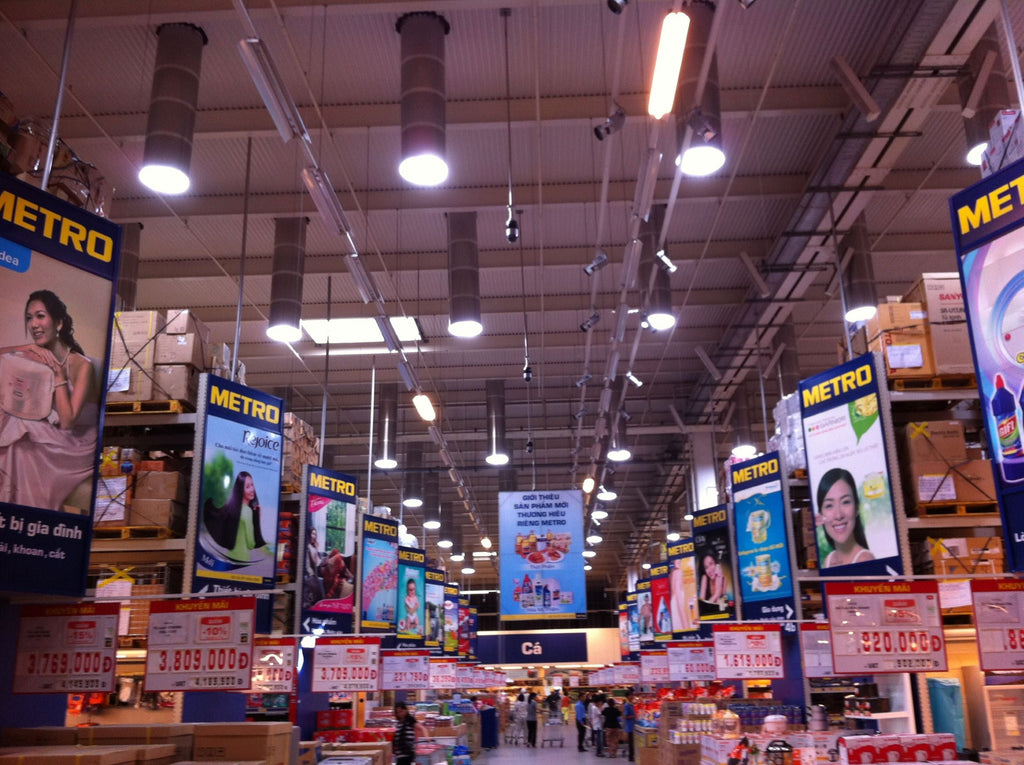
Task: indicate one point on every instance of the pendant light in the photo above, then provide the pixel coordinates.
(701, 119)
(742, 439)
(128, 274)
(424, 157)
(859, 297)
(387, 428)
(463, 276)
(445, 533)
(284, 324)
(412, 492)
(659, 297)
(497, 449)
(431, 501)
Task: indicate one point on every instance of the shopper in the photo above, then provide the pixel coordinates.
(406, 734)
(581, 723)
(597, 723)
(612, 727)
(566, 704)
(531, 720)
(628, 722)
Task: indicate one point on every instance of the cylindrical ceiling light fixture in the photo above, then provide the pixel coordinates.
(983, 93)
(431, 502)
(789, 359)
(424, 161)
(387, 427)
(172, 108)
(659, 298)
(463, 276)
(458, 552)
(704, 155)
(606, 491)
(446, 533)
(128, 274)
(742, 440)
(412, 486)
(497, 448)
(507, 479)
(284, 324)
(618, 448)
(859, 297)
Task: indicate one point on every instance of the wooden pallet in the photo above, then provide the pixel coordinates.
(942, 382)
(131, 641)
(291, 488)
(150, 407)
(132, 532)
(800, 473)
(956, 508)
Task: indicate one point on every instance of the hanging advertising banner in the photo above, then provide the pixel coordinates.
(999, 621)
(200, 645)
(645, 612)
(660, 599)
(444, 673)
(748, 651)
(273, 665)
(987, 220)
(881, 627)
(474, 619)
(52, 384)
(682, 586)
(848, 470)
(405, 670)
(346, 664)
(691, 660)
(67, 649)
(762, 550)
(379, 584)
(433, 588)
(627, 673)
(716, 598)
(633, 615)
(412, 599)
(816, 649)
(465, 677)
(541, 545)
(624, 631)
(464, 628)
(654, 666)
(329, 562)
(451, 620)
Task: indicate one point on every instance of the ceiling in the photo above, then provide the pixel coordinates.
(792, 137)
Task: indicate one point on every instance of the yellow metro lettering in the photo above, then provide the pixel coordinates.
(73, 234)
(106, 252)
(971, 218)
(1000, 201)
(25, 214)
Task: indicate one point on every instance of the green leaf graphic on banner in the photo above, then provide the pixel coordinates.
(863, 413)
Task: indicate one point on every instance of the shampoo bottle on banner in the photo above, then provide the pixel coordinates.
(1007, 417)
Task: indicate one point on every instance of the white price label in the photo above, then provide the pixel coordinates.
(998, 606)
(747, 652)
(66, 649)
(346, 664)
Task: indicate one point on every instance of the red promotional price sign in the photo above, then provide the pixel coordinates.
(691, 660)
(816, 648)
(883, 627)
(998, 610)
(627, 673)
(654, 666)
(273, 665)
(443, 673)
(67, 649)
(346, 664)
(405, 670)
(748, 651)
(465, 677)
(200, 645)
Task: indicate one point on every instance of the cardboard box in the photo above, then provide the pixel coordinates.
(309, 752)
(178, 735)
(180, 349)
(48, 735)
(73, 755)
(224, 742)
(648, 755)
(899, 331)
(132, 352)
(678, 754)
(178, 382)
(943, 299)
(970, 481)
(160, 485)
(181, 321)
(857, 750)
(158, 512)
(113, 500)
(934, 441)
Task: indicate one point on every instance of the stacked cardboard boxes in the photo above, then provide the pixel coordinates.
(181, 352)
(160, 499)
(301, 447)
(938, 468)
(941, 296)
(670, 753)
(133, 355)
(957, 556)
(899, 331)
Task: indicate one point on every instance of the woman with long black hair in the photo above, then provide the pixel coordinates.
(236, 525)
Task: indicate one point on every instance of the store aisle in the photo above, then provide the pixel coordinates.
(508, 754)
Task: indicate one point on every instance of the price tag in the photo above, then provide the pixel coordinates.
(816, 648)
(200, 645)
(443, 673)
(273, 665)
(748, 651)
(882, 627)
(465, 676)
(346, 664)
(654, 666)
(67, 649)
(691, 660)
(998, 606)
(405, 670)
(627, 673)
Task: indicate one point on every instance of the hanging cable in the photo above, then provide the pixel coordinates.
(527, 370)
(511, 225)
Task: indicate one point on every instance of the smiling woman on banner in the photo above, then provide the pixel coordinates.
(235, 526)
(840, 521)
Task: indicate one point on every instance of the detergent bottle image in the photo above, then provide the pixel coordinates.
(1007, 417)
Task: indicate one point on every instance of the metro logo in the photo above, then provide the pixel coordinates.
(63, 231)
(331, 484)
(237, 402)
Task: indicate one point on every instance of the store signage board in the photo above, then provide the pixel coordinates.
(682, 586)
(627, 673)
(624, 652)
(654, 666)
(883, 627)
(691, 660)
(848, 470)
(541, 544)
(540, 646)
(67, 648)
(999, 621)
(762, 546)
(405, 670)
(474, 635)
(816, 649)
(412, 598)
(379, 562)
(464, 650)
(660, 599)
(444, 673)
(712, 546)
(633, 624)
(645, 612)
(346, 664)
(433, 587)
(273, 665)
(200, 645)
(43, 548)
(748, 651)
(330, 569)
(450, 640)
(987, 229)
(465, 676)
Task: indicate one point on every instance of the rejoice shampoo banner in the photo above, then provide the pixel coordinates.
(987, 228)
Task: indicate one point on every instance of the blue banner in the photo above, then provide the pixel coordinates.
(987, 221)
(540, 647)
(379, 583)
(848, 471)
(58, 265)
(329, 562)
(660, 598)
(451, 620)
(762, 546)
(412, 599)
(541, 548)
(716, 593)
(682, 587)
(633, 619)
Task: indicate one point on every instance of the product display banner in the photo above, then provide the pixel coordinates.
(627, 673)
(273, 665)
(682, 586)
(881, 627)
(748, 651)
(987, 220)
(691, 660)
(433, 587)
(412, 600)
(660, 598)
(240, 486)
(624, 632)
(816, 649)
(762, 547)
(645, 612)
(712, 546)
(474, 648)
(633, 616)
(330, 571)
(67, 648)
(346, 664)
(379, 561)
(999, 621)
(405, 670)
(200, 645)
(464, 628)
(451, 620)
(58, 265)
(465, 676)
(848, 470)
(541, 544)
(654, 666)
(444, 673)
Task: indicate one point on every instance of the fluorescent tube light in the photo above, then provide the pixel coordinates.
(272, 90)
(666, 65)
(646, 183)
(326, 200)
(424, 407)
(363, 330)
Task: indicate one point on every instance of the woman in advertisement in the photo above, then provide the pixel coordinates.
(411, 624)
(839, 519)
(715, 585)
(236, 525)
(48, 410)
